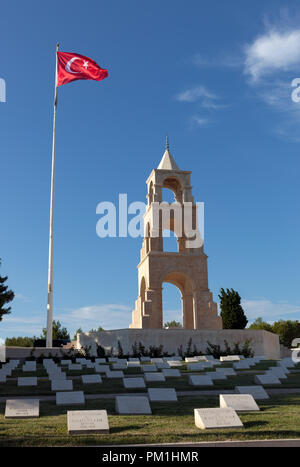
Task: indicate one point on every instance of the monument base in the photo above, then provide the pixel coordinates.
(261, 342)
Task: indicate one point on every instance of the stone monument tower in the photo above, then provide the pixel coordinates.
(186, 268)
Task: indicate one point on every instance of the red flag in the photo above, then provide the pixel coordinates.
(71, 67)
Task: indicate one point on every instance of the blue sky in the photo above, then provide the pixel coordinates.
(216, 76)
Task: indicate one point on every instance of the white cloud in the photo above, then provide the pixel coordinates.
(108, 316)
(21, 297)
(221, 61)
(197, 121)
(272, 52)
(270, 311)
(197, 93)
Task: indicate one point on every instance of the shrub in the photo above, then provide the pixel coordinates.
(217, 352)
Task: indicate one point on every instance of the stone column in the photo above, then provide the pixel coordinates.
(188, 311)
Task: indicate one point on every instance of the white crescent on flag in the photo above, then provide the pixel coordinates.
(68, 65)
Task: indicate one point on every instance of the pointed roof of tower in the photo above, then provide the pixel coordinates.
(167, 162)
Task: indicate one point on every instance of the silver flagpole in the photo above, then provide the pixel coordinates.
(50, 264)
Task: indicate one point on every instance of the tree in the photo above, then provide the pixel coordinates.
(58, 331)
(19, 341)
(287, 331)
(232, 313)
(77, 332)
(97, 330)
(172, 324)
(260, 324)
(6, 296)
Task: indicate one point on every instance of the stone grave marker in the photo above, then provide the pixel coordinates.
(119, 366)
(100, 360)
(162, 394)
(162, 365)
(29, 366)
(153, 377)
(131, 383)
(61, 385)
(266, 379)
(277, 374)
(174, 363)
(195, 366)
(230, 358)
(171, 373)
(52, 376)
(242, 365)
(133, 364)
(239, 402)
(200, 380)
(114, 374)
(216, 375)
(101, 368)
(149, 368)
(27, 381)
(87, 421)
(226, 371)
(75, 366)
(91, 379)
(22, 408)
(130, 405)
(70, 398)
(258, 392)
(217, 418)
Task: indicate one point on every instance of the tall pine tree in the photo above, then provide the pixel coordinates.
(6, 296)
(232, 313)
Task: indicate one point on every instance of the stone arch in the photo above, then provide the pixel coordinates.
(186, 286)
(143, 289)
(150, 193)
(147, 237)
(174, 184)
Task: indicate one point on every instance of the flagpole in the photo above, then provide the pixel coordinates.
(50, 264)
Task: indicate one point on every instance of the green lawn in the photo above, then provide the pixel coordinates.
(113, 386)
(171, 422)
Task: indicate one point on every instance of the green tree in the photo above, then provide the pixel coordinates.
(232, 313)
(287, 331)
(6, 296)
(260, 324)
(58, 331)
(97, 330)
(172, 324)
(19, 341)
(79, 330)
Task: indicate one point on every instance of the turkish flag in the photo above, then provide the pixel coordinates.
(71, 67)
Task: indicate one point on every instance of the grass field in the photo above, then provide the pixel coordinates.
(170, 422)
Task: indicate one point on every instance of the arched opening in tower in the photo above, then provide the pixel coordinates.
(171, 304)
